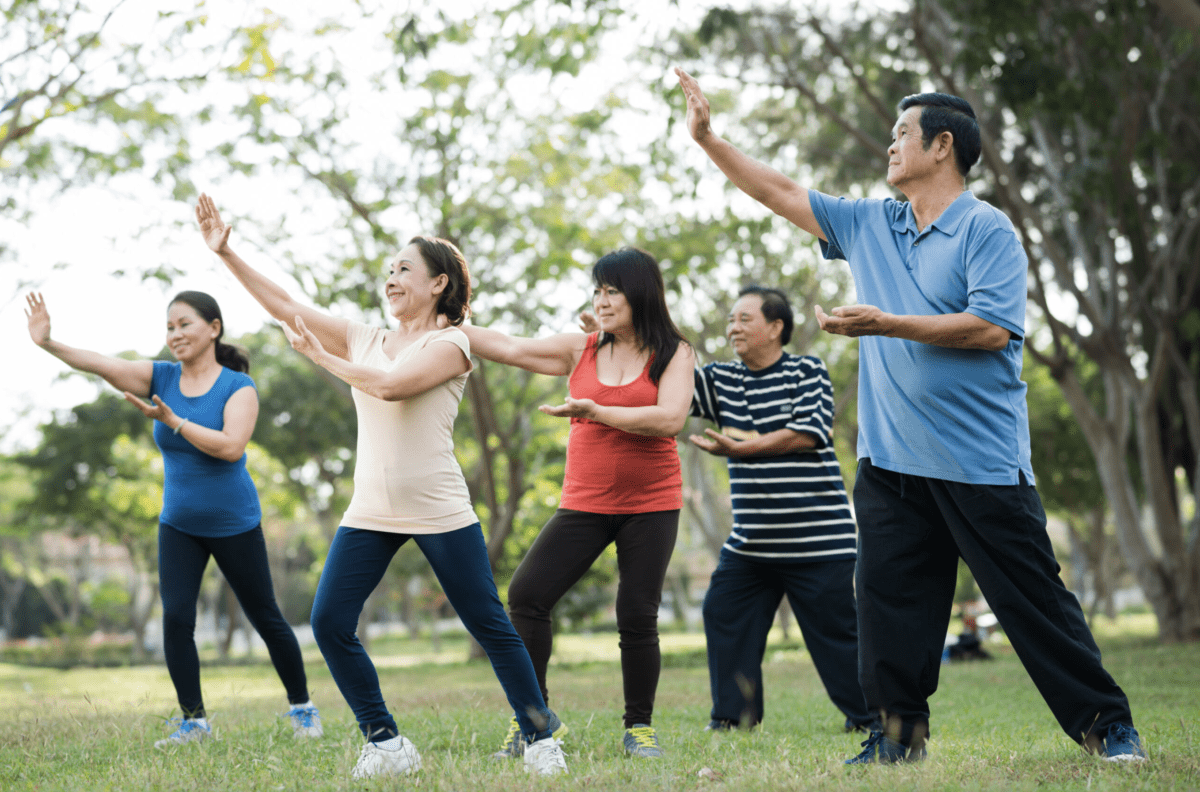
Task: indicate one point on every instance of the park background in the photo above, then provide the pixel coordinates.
(540, 134)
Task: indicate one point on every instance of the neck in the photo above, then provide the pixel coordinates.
(418, 323)
(759, 359)
(626, 337)
(201, 365)
(928, 201)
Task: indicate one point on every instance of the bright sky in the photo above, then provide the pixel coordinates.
(76, 242)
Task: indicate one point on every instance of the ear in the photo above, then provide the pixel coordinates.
(775, 329)
(215, 324)
(944, 146)
(440, 283)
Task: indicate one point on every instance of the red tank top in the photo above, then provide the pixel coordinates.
(610, 471)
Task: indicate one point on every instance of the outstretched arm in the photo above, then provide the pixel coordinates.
(777, 443)
(555, 355)
(664, 419)
(762, 183)
(270, 295)
(954, 331)
(134, 376)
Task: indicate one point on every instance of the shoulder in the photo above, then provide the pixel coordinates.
(360, 333)
(806, 363)
(981, 219)
(237, 380)
(451, 335)
(165, 371)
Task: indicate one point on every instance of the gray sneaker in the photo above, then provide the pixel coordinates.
(641, 740)
(514, 741)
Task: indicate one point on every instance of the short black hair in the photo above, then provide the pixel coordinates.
(775, 305)
(947, 113)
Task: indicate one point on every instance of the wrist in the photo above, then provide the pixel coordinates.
(179, 426)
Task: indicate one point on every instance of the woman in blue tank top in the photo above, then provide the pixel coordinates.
(204, 408)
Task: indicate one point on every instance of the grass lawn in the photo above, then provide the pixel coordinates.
(94, 729)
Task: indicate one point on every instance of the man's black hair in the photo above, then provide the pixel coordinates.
(946, 113)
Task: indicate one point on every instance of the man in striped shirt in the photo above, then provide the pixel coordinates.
(792, 529)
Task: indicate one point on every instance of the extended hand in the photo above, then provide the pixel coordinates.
(716, 443)
(587, 322)
(39, 318)
(855, 320)
(572, 408)
(159, 411)
(303, 340)
(698, 115)
(216, 233)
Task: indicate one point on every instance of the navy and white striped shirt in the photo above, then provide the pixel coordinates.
(792, 507)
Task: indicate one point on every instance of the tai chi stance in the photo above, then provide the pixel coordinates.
(792, 532)
(204, 408)
(407, 483)
(630, 387)
(944, 461)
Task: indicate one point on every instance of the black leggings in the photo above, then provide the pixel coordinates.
(243, 560)
(562, 553)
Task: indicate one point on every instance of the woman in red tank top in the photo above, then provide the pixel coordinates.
(630, 392)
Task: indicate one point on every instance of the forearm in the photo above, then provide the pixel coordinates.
(652, 420)
(269, 294)
(954, 331)
(124, 375)
(489, 344)
(777, 443)
(383, 385)
(211, 441)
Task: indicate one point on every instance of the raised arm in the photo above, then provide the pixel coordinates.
(270, 295)
(666, 418)
(762, 183)
(555, 355)
(125, 375)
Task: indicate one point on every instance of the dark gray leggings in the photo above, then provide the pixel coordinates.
(565, 549)
(242, 558)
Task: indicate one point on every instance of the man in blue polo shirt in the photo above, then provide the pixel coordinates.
(944, 464)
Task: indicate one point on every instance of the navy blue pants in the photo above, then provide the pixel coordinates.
(356, 563)
(739, 609)
(242, 559)
(912, 531)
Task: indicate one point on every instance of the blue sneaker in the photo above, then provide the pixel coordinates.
(190, 730)
(514, 741)
(881, 749)
(641, 740)
(306, 721)
(1122, 744)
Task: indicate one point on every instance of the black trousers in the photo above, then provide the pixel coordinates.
(243, 560)
(565, 549)
(912, 531)
(739, 609)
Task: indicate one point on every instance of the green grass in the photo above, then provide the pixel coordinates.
(93, 729)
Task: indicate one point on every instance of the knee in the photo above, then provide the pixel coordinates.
(524, 600)
(328, 624)
(178, 621)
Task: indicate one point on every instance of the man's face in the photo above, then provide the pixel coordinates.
(908, 159)
(748, 330)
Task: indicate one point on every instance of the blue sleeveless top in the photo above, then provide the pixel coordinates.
(202, 495)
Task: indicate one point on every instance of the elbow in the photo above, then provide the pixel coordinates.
(672, 426)
(996, 340)
(232, 454)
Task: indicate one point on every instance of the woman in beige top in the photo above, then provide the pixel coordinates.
(407, 384)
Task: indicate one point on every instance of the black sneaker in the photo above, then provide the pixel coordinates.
(1122, 744)
(881, 749)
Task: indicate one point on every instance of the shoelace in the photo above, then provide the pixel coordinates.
(871, 743)
(510, 739)
(1120, 733)
(644, 736)
(304, 716)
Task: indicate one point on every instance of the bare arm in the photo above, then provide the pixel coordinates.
(762, 183)
(955, 331)
(270, 295)
(134, 376)
(227, 443)
(437, 363)
(777, 443)
(555, 355)
(666, 418)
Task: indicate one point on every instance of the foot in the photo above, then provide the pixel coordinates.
(1122, 744)
(514, 742)
(719, 725)
(393, 757)
(545, 757)
(190, 730)
(306, 721)
(641, 740)
(881, 749)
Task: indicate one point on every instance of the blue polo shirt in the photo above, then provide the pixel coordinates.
(953, 414)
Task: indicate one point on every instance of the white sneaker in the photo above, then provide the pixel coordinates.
(545, 757)
(190, 730)
(377, 761)
(306, 722)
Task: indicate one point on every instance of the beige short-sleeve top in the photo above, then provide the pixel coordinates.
(406, 477)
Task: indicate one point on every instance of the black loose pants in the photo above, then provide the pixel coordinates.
(912, 530)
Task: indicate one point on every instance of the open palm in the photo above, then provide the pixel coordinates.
(39, 319)
(216, 233)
